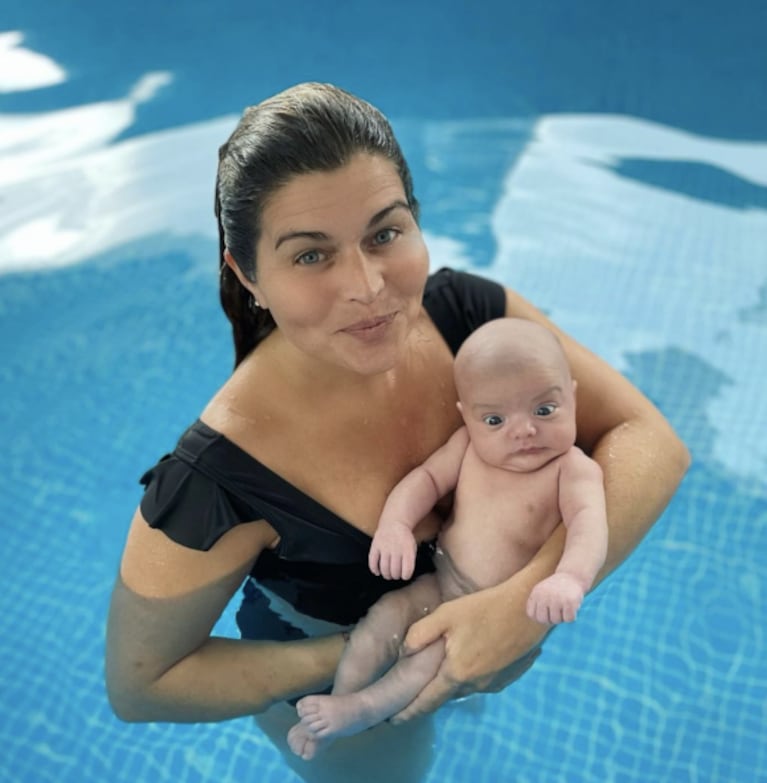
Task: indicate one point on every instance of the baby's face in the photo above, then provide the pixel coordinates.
(522, 420)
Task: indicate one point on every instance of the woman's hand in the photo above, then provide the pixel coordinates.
(489, 643)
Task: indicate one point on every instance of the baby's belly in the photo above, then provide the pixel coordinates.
(479, 563)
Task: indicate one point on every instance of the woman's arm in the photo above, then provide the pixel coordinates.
(643, 462)
(161, 662)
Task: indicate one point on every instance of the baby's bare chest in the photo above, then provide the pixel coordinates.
(531, 495)
(503, 515)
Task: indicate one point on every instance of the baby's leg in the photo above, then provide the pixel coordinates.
(372, 648)
(375, 641)
(328, 717)
(373, 645)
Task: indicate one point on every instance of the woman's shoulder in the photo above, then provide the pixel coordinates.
(460, 302)
(242, 408)
(157, 565)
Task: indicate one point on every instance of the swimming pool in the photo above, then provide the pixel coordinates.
(630, 209)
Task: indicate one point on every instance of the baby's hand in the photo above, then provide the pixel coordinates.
(392, 553)
(555, 599)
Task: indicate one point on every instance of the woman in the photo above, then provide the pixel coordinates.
(342, 384)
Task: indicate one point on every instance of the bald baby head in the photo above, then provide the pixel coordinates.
(508, 345)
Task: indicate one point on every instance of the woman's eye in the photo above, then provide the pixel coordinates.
(493, 420)
(545, 410)
(384, 236)
(309, 258)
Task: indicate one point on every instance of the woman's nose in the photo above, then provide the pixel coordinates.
(363, 277)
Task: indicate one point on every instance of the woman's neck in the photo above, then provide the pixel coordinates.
(311, 378)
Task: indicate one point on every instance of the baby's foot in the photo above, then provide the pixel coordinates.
(303, 743)
(328, 717)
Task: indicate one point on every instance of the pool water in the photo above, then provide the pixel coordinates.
(608, 163)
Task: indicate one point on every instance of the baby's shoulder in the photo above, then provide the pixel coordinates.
(575, 463)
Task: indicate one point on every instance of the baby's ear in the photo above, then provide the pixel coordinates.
(462, 412)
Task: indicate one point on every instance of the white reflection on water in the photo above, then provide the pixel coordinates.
(22, 69)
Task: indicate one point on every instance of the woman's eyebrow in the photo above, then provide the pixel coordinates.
(320, 236)
(317, 236)
(381, 214)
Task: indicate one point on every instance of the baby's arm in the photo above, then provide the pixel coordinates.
(582, 504)
(392, 553)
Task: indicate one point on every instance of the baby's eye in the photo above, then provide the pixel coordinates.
(545, 410)
(493, 420)
(384, 236)
(309, 257)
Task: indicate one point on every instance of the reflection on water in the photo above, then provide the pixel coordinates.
(24, 69)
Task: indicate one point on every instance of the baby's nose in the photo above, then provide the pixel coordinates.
(523, 427)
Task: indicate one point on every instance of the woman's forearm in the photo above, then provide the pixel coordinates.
(163, 665)
(643, 463)
(231, 678)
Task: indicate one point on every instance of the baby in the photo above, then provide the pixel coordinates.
(516, 473)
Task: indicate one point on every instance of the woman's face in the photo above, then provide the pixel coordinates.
(342, 265)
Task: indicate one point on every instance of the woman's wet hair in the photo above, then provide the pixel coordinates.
(308, 128)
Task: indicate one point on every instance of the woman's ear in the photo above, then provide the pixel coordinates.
(232, 264)
(247, 284)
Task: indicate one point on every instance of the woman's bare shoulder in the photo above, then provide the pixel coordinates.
(155, 566)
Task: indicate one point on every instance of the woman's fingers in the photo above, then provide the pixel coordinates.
(437, 692)
(445, 684)
(427, 630)
(478, 648)
(445, 687)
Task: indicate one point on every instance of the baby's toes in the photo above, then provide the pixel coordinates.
(308, 706)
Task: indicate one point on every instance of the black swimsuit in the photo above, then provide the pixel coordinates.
(208, 485)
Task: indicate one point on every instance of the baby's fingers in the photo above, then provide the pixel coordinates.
(408, 565)
(374, 557)
(570, 609)
(379, 562)
(537, 609)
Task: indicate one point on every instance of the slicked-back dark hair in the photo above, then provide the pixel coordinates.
(308, 128)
